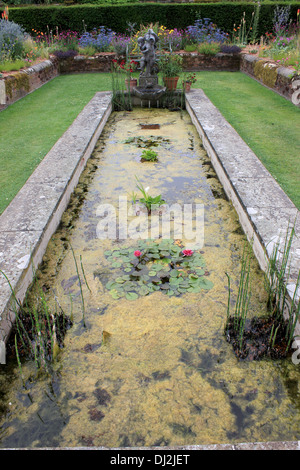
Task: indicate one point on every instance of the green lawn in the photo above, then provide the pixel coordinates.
(31, 126)
(267, 122)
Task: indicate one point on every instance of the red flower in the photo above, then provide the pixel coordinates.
(137, 253)
(187, 252)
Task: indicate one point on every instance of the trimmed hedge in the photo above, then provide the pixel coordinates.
(116, 17)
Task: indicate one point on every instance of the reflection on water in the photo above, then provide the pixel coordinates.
(156, 370)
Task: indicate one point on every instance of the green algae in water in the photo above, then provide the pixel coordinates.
(156, 370)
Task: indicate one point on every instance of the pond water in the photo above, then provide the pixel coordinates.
(152, 369)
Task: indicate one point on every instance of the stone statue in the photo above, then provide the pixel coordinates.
(148, 45)
(148, 88)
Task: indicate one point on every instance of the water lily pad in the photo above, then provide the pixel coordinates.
(115, 294)
(206, 284)
(174, 273)
(152, 273)
(131, 296)
(116, 264)
(144, 290)
(161, 267)
(154, 255)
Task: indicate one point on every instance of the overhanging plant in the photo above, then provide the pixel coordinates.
(170, 65)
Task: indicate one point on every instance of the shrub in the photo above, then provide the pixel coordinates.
(12, 37)
(230, 49)
(121, 44)
(171, 15)
(65, 54)
(208, 48)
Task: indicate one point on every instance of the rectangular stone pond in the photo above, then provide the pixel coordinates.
(146, 362)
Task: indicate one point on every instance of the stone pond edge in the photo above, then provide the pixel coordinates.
(26, 227)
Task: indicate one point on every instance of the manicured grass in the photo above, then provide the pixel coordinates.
(267, 122)
(31, 126)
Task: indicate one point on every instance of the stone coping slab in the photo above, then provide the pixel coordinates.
(265, 211)
(28, 223)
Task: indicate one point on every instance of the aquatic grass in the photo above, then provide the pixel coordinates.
(294, 313)
(277, 273)
(80, 287)
(34, 329)
(238, 319)
(281, 304)
(277, 328)
(19, 362)
(83, 272)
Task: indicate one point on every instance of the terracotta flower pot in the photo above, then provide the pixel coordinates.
(171, 83)
(130, 83)
(187, 86)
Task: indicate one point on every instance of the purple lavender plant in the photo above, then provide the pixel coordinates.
(121, 44)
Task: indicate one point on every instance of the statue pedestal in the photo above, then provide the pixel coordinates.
(148, 81)
(148, 88)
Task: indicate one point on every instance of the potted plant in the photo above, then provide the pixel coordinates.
(170, 65)
(127, 66)
(189, 80)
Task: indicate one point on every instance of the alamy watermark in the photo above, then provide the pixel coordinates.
(177, 221)
(2, 352)
(296, 354)
(296, 94)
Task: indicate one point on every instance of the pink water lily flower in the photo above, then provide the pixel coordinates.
(137, 253)
(187, 252)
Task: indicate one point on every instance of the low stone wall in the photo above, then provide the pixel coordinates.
(191, 61)
(270, 74)
(79, 64)
(220, 62)
(17, 85)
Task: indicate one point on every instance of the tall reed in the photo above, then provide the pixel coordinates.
(238, 319)
(121, 97)
(80, 286)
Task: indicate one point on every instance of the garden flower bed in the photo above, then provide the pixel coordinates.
(202, 46)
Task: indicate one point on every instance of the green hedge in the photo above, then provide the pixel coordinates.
(116, 17)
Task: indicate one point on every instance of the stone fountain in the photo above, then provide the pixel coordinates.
(148, 88)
